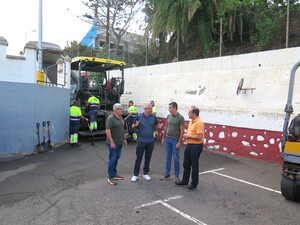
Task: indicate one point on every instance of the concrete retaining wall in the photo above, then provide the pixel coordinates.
(249, 123)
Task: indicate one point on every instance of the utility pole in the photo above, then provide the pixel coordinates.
(221, 37)
(40, 74)
(96, 25)
(287, 24)
(107, 28)
(147, 43)
(177, 46)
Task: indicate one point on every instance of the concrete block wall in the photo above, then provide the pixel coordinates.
(25, 103)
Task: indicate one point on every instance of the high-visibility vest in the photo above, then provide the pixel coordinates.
(94, 102)
(75, 113)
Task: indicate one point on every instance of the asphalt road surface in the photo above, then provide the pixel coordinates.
(69, 186)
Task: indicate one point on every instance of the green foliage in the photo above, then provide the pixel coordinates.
(195, 26)
(265, 34)
(97, 79)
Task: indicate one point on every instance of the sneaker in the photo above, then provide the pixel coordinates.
(134, 178)
(191, 188)
(180, 183)
(117, 177)
(166, 177)
(146, 177)
(177, 179)
(112, 181)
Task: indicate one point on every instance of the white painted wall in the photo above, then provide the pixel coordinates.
(20, 69)
(211, 84)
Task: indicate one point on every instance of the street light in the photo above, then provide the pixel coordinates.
(28, 33)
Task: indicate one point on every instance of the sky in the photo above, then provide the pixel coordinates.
(19, 18)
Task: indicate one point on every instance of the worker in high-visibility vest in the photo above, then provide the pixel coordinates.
(75, 116)
(94, 104)
(154, 111)
(132, 113)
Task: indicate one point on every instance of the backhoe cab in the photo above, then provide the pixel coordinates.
(290, 180)
(90, 75)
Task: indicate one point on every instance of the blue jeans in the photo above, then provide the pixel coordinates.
(93, 115)
(114, 156)
(191, 163)
(170, 145)
(142, 147)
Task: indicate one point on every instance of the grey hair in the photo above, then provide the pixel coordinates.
(116, 105)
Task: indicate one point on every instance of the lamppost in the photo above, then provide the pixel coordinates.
(287, 24)
(31, 31)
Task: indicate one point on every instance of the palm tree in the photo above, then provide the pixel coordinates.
(182, 21)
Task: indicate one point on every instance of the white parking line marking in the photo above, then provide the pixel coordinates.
(240, 180)
(148, 204)
(183, 214)
(246, 182)
(210, 171)
(173, 198)
(158, 201)
(163, 202)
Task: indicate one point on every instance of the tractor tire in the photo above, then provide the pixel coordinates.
(297, 190)
(287, 188)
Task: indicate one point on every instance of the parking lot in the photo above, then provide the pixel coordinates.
(69, 186)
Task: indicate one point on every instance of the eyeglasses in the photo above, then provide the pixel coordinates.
(118, 109)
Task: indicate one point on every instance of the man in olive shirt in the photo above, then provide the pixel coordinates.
(114, 141)
(172, 138)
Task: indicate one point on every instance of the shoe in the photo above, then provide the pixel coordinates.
(180, 183)
(166, 177)
(134, 178)
(112, 181)
(146, 177)
(191, 188)
(117, 177)
(177, 179)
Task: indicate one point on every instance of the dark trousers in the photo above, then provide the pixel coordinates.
(129, 124)
(74, 127)
(191, 162)
(142, 147)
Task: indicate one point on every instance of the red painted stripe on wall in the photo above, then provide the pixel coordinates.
(251, 143)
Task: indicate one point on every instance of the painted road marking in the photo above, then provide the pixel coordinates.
(210, 171)
(215, 171)
(240, 180)
(164, 203)
(158, 201)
